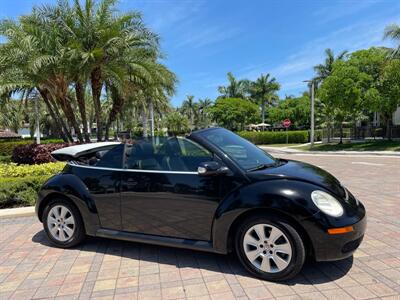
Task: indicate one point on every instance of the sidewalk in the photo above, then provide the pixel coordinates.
(17, 212)
(291, 150)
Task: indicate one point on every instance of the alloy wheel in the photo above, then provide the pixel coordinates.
(267, 248)
(61, 223)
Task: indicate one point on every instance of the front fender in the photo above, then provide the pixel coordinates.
(288, 197)
(69, 186)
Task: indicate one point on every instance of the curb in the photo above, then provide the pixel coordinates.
(17, 212)
(292, 151)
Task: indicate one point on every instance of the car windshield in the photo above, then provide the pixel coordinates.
(244, 153)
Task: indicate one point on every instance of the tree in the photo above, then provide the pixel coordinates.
(263, 91)
(203, 115)
(385, 96)
(61, 48)
(325, 69)
(189, 108)
(234, 113)
(177, 123)
(28, 65)
(344, 90)
(104, 46)
(295, 109)
(393, 32)
(235, 88)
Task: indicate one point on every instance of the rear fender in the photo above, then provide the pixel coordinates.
(70, 187)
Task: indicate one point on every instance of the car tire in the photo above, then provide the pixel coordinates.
(277, 255)
(63, 223)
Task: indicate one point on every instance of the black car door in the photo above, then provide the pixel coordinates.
(102, 179)
(161, 192)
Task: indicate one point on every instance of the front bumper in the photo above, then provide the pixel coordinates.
(328, 247)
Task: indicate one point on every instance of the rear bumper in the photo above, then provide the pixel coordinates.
(328, 247)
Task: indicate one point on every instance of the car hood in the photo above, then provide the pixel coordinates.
(296, 170)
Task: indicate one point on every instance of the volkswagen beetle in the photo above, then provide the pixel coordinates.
(211, 191)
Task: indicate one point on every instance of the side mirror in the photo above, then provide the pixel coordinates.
(210, 168)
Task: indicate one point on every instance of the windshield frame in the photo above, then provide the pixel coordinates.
(200, 136)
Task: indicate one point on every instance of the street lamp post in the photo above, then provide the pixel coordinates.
(312, 111)
(37, 120)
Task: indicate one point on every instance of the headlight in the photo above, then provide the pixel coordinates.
(327, 203)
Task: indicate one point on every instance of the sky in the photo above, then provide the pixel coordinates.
(202, 40)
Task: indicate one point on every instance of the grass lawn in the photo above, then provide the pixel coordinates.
(366, 146)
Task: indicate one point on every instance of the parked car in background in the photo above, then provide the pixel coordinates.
(212, 191)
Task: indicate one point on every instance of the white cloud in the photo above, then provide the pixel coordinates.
(342, 9)
(299, 65)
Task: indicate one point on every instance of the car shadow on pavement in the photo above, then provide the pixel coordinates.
(209, 264)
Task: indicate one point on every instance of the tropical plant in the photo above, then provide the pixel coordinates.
(189, 108)
(235, 88)
(263, 91)
(345, 91)
(59, 49)
(110, 50)
(234, 113)
(325, 69)
(177, 123)
(203, 114)
(295, 109)
(393, 32)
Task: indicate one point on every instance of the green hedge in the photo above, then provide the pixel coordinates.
(275, 137)
(7, 147)
(20, 191)
(14, 170)
(19, 184)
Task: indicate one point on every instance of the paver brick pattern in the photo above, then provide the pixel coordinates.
(30, 268)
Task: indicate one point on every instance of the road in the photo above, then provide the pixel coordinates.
(106, 269)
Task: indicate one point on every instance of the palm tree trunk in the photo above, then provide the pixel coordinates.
(69, 113)
(151, 106)
(118, 103)
(263, 113)
(144, 121)
(95, 78)
(60, 126)
(80, 97)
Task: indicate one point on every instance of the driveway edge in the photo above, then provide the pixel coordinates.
(294, 151)
(17, 212)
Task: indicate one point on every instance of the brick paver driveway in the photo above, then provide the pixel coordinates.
(100, 268)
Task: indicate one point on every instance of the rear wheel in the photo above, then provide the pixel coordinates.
(63, 223)
(270, 248)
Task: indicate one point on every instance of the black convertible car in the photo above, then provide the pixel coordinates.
(210, 191)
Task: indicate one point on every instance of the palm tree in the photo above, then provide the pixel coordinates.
(235, 88)
(263, 91)
(189, 108)
(29, 63)
(325, 69)
(393, 32)
(204, 117)
(103, 43)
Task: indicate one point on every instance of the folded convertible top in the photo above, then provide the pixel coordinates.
(72, 152)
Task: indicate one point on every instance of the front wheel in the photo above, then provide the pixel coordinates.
(63, 223)
(270, 248)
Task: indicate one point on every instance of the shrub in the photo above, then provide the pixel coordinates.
(275, 137)
(35, 154)
(7, 146)
(20, 191)
(5, 159)
(14, 170)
